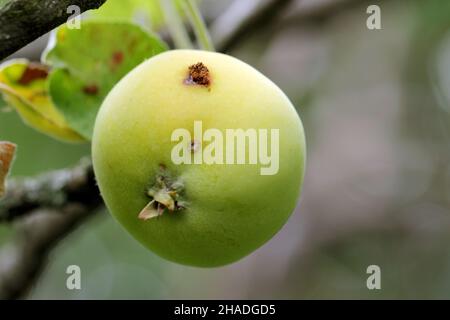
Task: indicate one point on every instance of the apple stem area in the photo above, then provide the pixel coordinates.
(166, 194)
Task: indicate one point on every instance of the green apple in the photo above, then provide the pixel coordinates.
(172, 170)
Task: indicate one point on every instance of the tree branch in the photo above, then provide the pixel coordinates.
(22, 21)
(45, 210)
(53, 190)
(22, 260)
(243, 18)
(320, 11)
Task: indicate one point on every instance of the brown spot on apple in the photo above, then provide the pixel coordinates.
(199, 75)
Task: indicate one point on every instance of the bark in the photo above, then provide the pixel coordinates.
(22, 21)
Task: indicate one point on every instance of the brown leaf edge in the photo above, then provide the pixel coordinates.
(7, 151)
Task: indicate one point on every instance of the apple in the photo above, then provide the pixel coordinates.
(199, 156)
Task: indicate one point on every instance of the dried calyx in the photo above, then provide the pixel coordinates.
(166, 195)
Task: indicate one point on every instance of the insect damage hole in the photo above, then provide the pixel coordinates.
(199, 75)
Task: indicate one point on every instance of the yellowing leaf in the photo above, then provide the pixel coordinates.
(24, 86)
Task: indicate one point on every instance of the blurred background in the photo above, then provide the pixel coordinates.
(376, 109)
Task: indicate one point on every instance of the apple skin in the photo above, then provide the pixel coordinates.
(232, 209)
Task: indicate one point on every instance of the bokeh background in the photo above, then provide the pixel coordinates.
(376, 109)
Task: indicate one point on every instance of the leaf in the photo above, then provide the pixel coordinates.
(24, 88)
(90, 61)
(7, 150)
(147, 12)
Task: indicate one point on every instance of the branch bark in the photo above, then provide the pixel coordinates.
(45, 210)
(53, 190)
(22, 260)
(22, 21)
(242, 19)
(320, 11)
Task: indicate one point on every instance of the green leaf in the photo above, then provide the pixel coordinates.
(24, 86)
(90, 61)
(147, 12)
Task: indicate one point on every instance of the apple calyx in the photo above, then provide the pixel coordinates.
(166, 193)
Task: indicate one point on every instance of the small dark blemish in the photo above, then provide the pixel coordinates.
(33, 72)
(91, 90)
(198, 75)
(117, 58)
(194, 146)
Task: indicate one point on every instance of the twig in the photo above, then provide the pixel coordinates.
(22, 21)
(53, 190)
(22, 261)
(242, 19)
(320, 11)
(45, 210)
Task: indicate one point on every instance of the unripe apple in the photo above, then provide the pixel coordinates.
(208, 210)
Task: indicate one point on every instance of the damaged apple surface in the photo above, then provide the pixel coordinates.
(200, 213)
